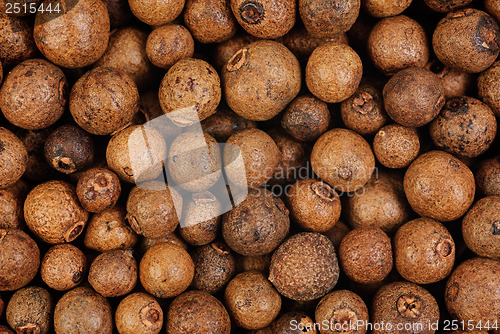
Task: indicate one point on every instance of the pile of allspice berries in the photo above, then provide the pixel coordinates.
(356, 140)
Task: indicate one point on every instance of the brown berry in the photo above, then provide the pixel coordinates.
(493, 8)
(15, 29)
(444, 6)
(155, 12)
(98, 189)
(225, 50)
(37, 168)
(173, 238)
(292, 323)
(139, 313)
(13, 158)
(30, 311)
(396, 146)
(63, 267)
(11, 206)
(488, 176)
(292, 157)
(119, 12)
(488, 87)
(455, 83)
(168, 44)
(224, 123)
(210, 22)
(382, 8)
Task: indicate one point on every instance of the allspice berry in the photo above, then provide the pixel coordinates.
(119, 12)
(199, 19)
(467, 40)
(155, 12)
(472, 291)
(488, 176)
(337, 233)
(63, 267)
(304, 267)
(20, 30)
(333, 72)
(343, 159)
(168, 44)
(11, 206)
(446, 6)
(293, 157)
(53, 212)
(13, 158)
(481, 227)
(253, 263)
(261, 79)
(225, 50)
(30, 310)
(252, 301)
(439, 186)
(85, 309)
(98, 189)
(103, 101)
(424, 251)
(34, 94)
(493, 8)
(406, 304)
(75, 37)
(139, 313)
(19, 259)
(37, 168)
(224, 123)
(455, 83)
(396, 146)
(166, 270)
(293, 323)
(266, 19)
(488, 87)
(413, 97)
(382, 8)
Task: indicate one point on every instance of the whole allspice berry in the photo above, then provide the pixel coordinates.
(119, 12)
(98, 189)
(11, 206)
(465, 127)
(382, 8)
(455, 83)
(304, 267)
(85, 309)
(173, 238)
(34, 94)
(292, 157)
(253, 263)
(467, 40)
(53, 212)
(314, 205)
(396, 146)
(306, 118)
(481, 227)
(257, 225)
(139, 313)
(37, 168)
(266, 19)
(155, 12)
(413, 97)
(343, 311)
(488, 87)
(488, 176)
(343, 159)
(473, 290)
(396, 43)
(63, 267)
(168, 44)
(224, 123)
(30, 310)
(424, 251)
(493, 8)
(252, 301)
(69, 149)
(439, 186)
(166, 270)
(199, 19)
(13, 158)
(103, 101)
(365, 255)
(75, 37)
(19, 259)
(293, 323)
(406, 304)
(261, 79)
(20, 30)
(333, 72)
(446, 6)
(113, 273)
(225, 50)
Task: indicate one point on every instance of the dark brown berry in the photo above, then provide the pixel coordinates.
(168, 44)
(224, 123)
(98, 189)
(306, 118)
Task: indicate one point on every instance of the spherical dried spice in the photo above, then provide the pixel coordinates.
(253, 263)
(98, 189)
(13, 158)
(37, 168)
(488, 87)
(173, 238)
(11, 206)
(493, 8)
(488, 176)
(63, 267)
(224, 123)
(382, 8)
(455, 83)
(304, 267)
(396, 146)
(30, 310)
(304, 324)
(210, 22)
(15, 29)
(225, 50)
(155, 12)
(292, 158)
(168, 44)
(119, 12)
(444, 6)
(261, 79)
(139, 313)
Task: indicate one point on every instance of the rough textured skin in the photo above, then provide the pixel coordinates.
(306, 118)
(251, 300)
(343, 159)
(53, 212)
(126, 52)
(119, 12)
(257, 225)
(342, 308)
(455, 83)
(82, 311)
(304, 324)
(424, 251)
(266, 19)
(364, 111)
(326, 18)
(439, 186)
(481, 227)
(173, 238)
(214, 266)
(445, 6)
(467, 40)
(253, 263)
(473, 291)
(225, 50)
(254, 152)
(314, 205)
(139, 313)
(5, 330)
(224, 123)
(337, 233)
(103, 101)
(168, 44)
(30, 311)
(166, 270)
(152, 209)
(396, 43)
(108, 230)
(98, 189)
(11, 207)
(413, 97)
(333, 72)
(293, 156)
(396, 146)
(488, 176)
(210, 21)
(407, 304)
(493, 8)
(37, 168)
(304, 267)
(261, 79)
(34, 94)
(76, 37)
(19, 30)
(156, 12)
(63, 267)
(488, 87)
(384, 8)
(19, 260)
